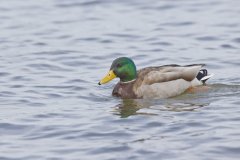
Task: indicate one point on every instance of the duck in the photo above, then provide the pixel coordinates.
(153, 82)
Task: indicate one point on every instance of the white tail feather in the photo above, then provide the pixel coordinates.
(207, 77)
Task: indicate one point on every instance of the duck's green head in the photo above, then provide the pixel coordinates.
(123, 68)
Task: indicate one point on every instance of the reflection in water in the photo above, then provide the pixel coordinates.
(127, 108)
(130, 107)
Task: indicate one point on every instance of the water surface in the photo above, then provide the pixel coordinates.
(53, 54)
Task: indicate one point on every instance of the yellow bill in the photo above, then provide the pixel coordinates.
(110, 76)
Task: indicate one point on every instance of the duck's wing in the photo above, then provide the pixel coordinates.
(165, 81)
(151, 75)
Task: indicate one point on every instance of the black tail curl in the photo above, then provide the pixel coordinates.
(202, 73)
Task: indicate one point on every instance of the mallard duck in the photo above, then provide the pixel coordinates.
(153, 82)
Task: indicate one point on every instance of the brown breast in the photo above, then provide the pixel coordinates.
(124, 90)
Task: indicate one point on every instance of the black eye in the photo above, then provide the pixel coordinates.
(119, 65)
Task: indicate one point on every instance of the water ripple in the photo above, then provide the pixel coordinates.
(53, 54)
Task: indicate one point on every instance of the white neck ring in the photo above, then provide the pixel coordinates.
(128, 81)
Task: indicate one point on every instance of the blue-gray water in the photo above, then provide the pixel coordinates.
(53, 53)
